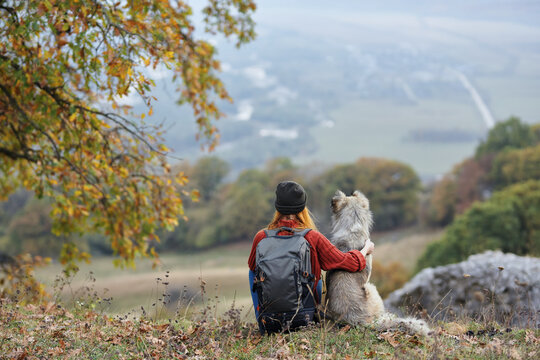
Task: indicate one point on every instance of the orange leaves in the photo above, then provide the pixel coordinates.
(71, 253)
(195, 195)
(64, 62)
(62, 40)
(18, 280)
(181, 179)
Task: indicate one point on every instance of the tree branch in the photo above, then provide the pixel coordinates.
(11, 11)
(16, 156)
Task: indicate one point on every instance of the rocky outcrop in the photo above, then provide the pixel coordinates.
(487, 286)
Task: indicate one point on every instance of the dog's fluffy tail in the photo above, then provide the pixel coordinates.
(412, 326)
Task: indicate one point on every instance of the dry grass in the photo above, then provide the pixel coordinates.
(223, 269)
(81, 325)
(403, 247)
(50, 330)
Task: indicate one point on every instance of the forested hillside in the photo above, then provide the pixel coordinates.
(232, 211)
(492, 200)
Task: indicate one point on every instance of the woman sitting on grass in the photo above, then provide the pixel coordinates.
(286, 260)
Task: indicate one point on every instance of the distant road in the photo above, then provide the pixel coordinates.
(478, 101)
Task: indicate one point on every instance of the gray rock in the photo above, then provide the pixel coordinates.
(487, 286)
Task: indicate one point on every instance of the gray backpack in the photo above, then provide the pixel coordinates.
(283, 280)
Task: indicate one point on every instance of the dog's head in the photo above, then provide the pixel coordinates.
(353, 210)
(340, 201)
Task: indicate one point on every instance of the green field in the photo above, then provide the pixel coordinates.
(355, 135)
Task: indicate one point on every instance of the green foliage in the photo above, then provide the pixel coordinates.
(248, 208)
(236, 211)
(516, 166)
(506, 135)
(233, 212)
(27, 229)
(536, 131)
(243, 208)
(280, 169)
(30, 231)
(509, 221)
(509, 155)
(391, 187)
(208, 173)
(17, 279)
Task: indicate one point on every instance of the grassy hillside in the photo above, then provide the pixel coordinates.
(171, 313)
(51, 331)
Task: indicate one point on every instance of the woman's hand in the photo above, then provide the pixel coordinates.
(368, 248)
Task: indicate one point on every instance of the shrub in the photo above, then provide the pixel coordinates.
(509, 221)
(515, 166)
(388, 278)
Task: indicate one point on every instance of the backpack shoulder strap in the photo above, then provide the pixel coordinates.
(271, 233)
(304, 232)
(274, 232)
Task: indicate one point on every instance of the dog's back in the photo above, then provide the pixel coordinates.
(351, 297)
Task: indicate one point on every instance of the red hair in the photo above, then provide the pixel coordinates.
(303, 218)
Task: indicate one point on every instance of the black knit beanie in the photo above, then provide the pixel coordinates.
(290, 198)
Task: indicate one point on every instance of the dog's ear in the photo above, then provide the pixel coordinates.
(364, 200)
(337, 200)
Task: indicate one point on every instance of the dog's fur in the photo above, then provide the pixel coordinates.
(350, 296)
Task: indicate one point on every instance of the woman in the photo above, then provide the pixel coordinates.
(291, 212)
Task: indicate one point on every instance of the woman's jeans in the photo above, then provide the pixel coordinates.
(255, 298)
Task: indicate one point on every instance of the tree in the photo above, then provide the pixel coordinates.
(442, 202)
(234, 213)
(509, 134)
(246, 209)
(281, 169)
(509, 221)
(391, 187)
(207, 174)
(535, 128)
(509, 155)
(30, 231)
(457, 191)
(64, 65)
(515, 166)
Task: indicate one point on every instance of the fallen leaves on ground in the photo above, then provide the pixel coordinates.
(51, 331)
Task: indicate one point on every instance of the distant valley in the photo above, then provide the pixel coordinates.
(329, 85)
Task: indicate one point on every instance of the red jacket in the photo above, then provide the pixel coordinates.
(324, 254)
